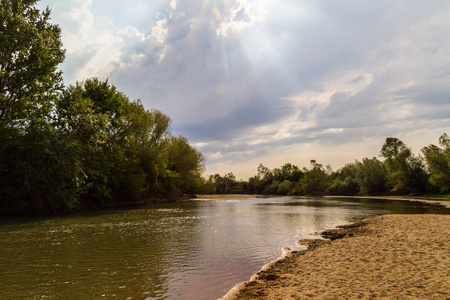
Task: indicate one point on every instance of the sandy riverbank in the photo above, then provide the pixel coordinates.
(385, 257)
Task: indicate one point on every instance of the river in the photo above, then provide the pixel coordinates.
(184, 250)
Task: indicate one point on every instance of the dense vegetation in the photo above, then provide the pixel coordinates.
(400, 173)
(88, 145)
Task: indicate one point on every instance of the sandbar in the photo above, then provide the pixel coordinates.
(384, 257)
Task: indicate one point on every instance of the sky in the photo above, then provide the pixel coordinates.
(271, 81)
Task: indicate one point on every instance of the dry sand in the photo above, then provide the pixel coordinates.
(385, 257)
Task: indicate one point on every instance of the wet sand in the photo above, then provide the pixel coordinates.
(385, 257)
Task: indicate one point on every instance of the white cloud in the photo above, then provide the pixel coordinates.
(95, 45)
(242, 14)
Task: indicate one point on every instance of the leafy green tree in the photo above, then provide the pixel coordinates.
(241, 187)
(30, 51)
(263, 178)
(405, 172)
(89, 114)
(347, 187)
(254, 185)
(438, 162)
(365, 177)
(277, 174)
(392, 147)
(119, 143)
(288, 168)
(264, 173)
(344, 181)
(139, 140)
(187, 162)
(226, 184)
(271, 188)
(371, 176)
(349, 170)
(36, 166)
(38, 174)
(287, 172)
(285, 187)
(315, 180)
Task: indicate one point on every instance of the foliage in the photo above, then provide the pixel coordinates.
(36, 165)
(223, 185)
(371, 176)
(438, 162)
(405, 172)
(348, 187)
(285, 187)
(187, 163)
(100, 149)
(315, 180)
(400, 173)
(38, 173)
(126, 152)
(392, 147)
(30, 50)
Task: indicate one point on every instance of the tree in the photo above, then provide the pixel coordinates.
(347, 187)
(349, 170)
(405, 172)
(264, 173)
(371, 176)
(119, 143)
(392, 147)
(254, 185)
(30, 51)
(36, 167)
(438, 162)
(271, 188)
(314, 181)
(90, 115)
(289, 172)
(285, 187)
(187, 162)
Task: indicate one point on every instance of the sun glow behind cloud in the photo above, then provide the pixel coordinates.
(240, 15)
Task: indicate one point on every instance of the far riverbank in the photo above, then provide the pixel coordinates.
(429, 200)
(212, 197)
(389, 256)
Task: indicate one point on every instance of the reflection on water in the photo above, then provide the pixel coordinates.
(188, 250)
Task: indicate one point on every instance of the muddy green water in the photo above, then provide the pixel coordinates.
(187, 250)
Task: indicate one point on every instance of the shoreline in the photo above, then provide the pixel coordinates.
(387, 256)
(400, 198)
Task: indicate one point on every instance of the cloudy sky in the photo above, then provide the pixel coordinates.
(271, 81)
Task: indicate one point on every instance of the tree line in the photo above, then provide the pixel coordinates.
(399, 173)
(82, 146)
